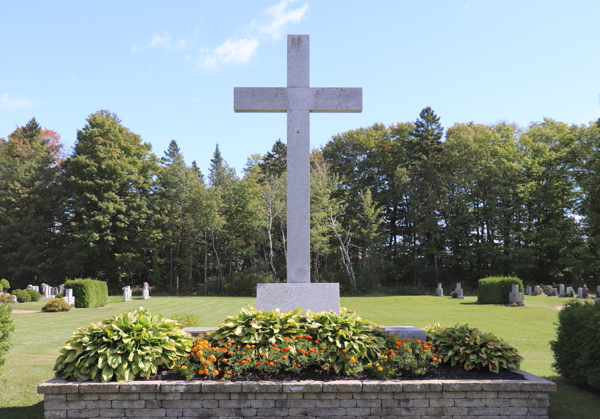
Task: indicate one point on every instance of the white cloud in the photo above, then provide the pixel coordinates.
(280, 16)
(231, 52)
(164, 41)
(7, 102)
(235, 51)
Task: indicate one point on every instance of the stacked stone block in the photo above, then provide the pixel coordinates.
(425, 399)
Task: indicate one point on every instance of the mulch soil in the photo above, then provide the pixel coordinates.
(442, 372)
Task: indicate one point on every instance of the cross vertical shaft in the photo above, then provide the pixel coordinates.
(298, 134)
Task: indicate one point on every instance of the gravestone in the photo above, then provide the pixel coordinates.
(528, 290)
(439, 291)
(459, 291)
(298, 100)
(14, 297)
(145, 292)
(580, 292)
(515, 296)
(69, 297)
(61, 288)
(570, 292)
(561, 291)
(598, 292)
(127, 293)
(586, 291)
(46, 291)
(537, 290)
(551, 291)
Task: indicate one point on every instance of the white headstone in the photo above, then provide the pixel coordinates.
(528, 290)
(145, 291)
(69, 297)
(298, 99)
(14, 297)
(537, 290)
(439, 291)
(61, 288)
(580, 292)
(561, 291)
(459, 291)
(515, 296)
(127, 293)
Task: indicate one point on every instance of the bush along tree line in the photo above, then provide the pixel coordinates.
(392, 208)
(138, 344)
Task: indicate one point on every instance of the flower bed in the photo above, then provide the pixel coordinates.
(448, 399)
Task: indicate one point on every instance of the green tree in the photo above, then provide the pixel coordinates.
(30, 237)
(108, 215)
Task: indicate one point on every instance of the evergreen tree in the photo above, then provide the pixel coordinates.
(172, 154)
(219, 173)
(274, 162)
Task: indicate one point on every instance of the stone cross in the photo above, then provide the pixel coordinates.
(298, 100)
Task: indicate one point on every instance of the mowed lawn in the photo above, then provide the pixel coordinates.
(39, 337)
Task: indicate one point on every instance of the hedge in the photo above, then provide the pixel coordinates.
(577, 345)
(6, 328)
(88, 293)
(495, 289)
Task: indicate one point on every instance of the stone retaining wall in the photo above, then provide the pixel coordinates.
(435, 399)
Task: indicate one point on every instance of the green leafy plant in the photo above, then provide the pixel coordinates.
(22, 296)
(124, 347)
(6, 328)
(55, 305)
(4, 284)
(346, 336)
(404, 357)
(6, 298)
(576, 349)
(35, 295)
(469, 348)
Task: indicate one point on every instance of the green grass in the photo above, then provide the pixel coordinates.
(39, 337)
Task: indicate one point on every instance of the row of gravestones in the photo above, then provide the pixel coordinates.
(50, 292)
(127, 295)
(459, 291)
(582, 292)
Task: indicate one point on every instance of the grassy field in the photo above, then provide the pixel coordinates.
(39, 337)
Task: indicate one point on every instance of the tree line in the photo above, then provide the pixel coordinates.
(393, 209)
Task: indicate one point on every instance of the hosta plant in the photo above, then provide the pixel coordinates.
(124, 347)
(469, 348)
(345, 336)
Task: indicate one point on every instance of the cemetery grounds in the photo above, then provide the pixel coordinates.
(39, 336)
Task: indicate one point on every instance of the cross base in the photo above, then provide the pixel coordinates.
(315, 297)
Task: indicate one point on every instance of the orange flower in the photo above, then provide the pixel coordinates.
(298, 365)
(344, 351)
(410, 351)
(215, 372)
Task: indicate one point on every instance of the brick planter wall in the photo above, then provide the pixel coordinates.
(435, 399)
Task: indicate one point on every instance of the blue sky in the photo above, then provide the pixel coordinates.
(168, 69)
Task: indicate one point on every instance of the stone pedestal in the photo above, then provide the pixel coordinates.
(515, 296)
(439, 291)
(315, 297)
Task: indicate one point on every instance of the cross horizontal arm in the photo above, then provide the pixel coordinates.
(311, 99)
(336, 99)
(260, 99)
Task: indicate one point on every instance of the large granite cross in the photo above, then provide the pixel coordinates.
(298, 99)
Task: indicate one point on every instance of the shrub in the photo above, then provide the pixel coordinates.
(124, 347)
(577, 345)
(22, 296)
(470, 348)
(494, 290)
(6, 298)
(360, 338)
(59, 295)
(4, 285)
(35, 296)
(453, 294)
(88, 293)
(56, 304)
(6, 328)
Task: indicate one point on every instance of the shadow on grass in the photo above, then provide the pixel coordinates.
(35, 411)
(572, 400)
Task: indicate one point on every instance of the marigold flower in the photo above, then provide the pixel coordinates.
(286, 349)
(284, 357)
(298, 365)
(410, 351)
(380, 368)
(344, 351)
(215, 372)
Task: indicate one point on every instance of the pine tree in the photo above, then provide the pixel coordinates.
(172, 155)
(275, 161)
